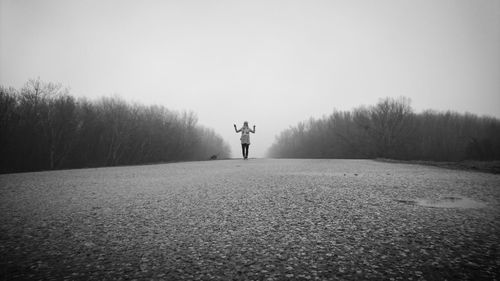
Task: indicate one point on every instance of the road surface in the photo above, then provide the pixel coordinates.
(261, 219)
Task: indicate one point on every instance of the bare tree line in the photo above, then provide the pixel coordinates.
(43, 127)
(391, 129)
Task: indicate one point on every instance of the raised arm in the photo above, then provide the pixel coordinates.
(237, 131)
(253, 131)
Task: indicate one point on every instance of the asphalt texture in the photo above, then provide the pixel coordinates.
(259, 219)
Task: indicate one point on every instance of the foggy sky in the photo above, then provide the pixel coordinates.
(273, 63)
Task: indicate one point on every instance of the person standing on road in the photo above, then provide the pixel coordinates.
(245, 138)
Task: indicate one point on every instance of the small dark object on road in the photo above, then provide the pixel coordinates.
(213, 157)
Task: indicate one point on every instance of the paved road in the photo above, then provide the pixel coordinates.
(260, 219)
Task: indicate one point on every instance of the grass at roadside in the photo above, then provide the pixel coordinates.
(470, 165)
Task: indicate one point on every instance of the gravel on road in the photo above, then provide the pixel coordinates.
(261, 219)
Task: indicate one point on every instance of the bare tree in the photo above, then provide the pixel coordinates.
(43, 127)
(391, 129)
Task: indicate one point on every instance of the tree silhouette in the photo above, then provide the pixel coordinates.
(391, 129)
(43, 127)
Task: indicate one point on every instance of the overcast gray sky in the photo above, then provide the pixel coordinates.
(273, 63)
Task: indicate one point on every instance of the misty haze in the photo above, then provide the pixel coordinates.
(249, 140)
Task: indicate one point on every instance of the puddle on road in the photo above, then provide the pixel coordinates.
(446, 202)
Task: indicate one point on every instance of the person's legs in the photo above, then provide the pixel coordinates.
(243, 149)
(248, 146)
